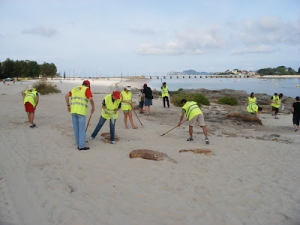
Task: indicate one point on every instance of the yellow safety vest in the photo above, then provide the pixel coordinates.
(252, 108)
(110, 107)
(30, 96)
(251, 100)
(164, 91)
(79, 101)
(126, 97)
(276, 101)
(191, 109)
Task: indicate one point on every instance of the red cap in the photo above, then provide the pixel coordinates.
(86, 82)
(116, 95)
(145, 85)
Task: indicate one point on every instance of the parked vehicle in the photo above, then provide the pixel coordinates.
(9, 79)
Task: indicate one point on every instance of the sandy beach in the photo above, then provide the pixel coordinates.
(252, 177)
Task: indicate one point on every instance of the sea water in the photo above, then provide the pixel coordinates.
(287, 86)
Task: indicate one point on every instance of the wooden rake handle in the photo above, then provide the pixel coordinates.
(173, 128)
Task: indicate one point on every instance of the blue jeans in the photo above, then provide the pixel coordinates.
(111, 128)
(79, 129)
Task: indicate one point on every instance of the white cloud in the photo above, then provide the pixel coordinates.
(187, 42)
(42, 31)
(169, 48)
(258, 49)
(269, 30)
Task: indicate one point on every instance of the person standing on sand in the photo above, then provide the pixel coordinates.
(275, 103)
(80, 96)
(141, 102)
(165, 94)
(193, 113)
(110, 106)
(147, 92)
(296, 113)
(31, 100)
(126, 99)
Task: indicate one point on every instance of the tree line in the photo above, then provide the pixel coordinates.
(280, 70)
(26, 68)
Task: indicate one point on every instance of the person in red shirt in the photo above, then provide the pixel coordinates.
(80, 95)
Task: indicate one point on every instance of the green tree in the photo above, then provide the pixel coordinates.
(8, 68)
(33, 69)
(48, 70)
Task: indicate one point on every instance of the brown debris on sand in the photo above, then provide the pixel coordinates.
(244, 116)
(106, 137)
(198, 151)
(150, 155)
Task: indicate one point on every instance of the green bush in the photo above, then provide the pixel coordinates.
(44, 87)
(176, 92)
(199, 98)
(226, 100)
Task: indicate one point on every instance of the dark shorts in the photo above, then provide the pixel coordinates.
(148, 102)
(275, 109)
(141, 104)
(296, 119)
(29, 107)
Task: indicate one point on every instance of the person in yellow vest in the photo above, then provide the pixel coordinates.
(193, 113)
(80, 96)
(110, 106)
(252, 107)
(127, 107)
(30, 100)
(165, 94)
(276, 103)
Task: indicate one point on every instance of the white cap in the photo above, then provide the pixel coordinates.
(128, 88)
(29, 87)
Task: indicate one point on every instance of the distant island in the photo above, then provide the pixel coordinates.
(280, 70)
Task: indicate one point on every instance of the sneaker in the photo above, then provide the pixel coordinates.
(190, 139)
(84, 148)
(32, 125)
(92, 138)
(206, 141)
(113, 142)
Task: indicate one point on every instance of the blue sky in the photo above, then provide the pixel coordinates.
(110, 37)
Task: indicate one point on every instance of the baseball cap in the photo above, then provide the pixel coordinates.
(29, 87)
(145, 85)
(128, 88)
(116, 95)
(86, 82)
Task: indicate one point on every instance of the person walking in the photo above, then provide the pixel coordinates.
(127, 107)
(275, 103)
(165, 94)
(296, 113)
(193, 113)
(147, 92)
(30, 100)
(110, 106)
(80, 96)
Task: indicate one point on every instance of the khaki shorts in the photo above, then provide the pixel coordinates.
(126, 111)
(199, 118)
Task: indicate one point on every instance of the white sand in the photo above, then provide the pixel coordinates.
(252, 178)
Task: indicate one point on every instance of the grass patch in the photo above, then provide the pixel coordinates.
(199, 98)
(226, 100)
(44, 87)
